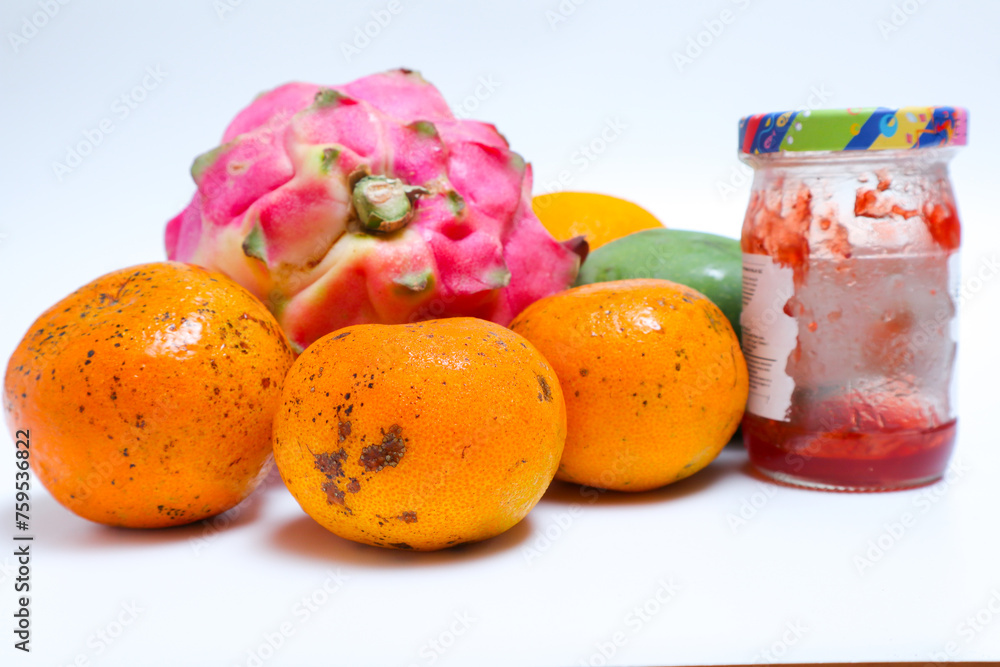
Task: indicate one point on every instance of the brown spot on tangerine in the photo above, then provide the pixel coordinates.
(546, 394)
(476, 508)
(330, 464)
(408, 517)
(387, 453)
(334, 495)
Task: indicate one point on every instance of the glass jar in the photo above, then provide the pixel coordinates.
(850, 277)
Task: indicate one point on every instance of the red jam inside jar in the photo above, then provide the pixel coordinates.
(850, 273)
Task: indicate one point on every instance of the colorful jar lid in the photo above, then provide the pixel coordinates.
(862, 129)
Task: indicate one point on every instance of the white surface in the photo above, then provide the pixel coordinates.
(210, 602)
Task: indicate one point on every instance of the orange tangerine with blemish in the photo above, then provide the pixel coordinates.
(654, 379)
(148, 395)
(420, 436)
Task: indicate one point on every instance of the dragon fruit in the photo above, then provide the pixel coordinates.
(369, 202)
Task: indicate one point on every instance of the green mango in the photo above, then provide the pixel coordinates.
(709, 263)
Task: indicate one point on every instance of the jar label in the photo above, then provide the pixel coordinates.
(769, 335)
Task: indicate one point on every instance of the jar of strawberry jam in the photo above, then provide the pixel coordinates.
(850, 277)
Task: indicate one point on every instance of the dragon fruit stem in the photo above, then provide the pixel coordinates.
(384, 204)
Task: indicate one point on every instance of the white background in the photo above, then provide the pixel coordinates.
(211, 593)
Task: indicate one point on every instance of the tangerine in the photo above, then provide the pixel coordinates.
(653, 375)
(149, 395)
(420, 436)
(599, 218)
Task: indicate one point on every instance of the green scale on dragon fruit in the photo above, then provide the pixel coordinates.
(369, 203)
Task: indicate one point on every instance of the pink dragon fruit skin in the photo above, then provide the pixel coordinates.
(274, 210)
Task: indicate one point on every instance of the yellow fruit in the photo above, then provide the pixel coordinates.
(420, 436)
(149, 395)
(653, 375)
(600, 218)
